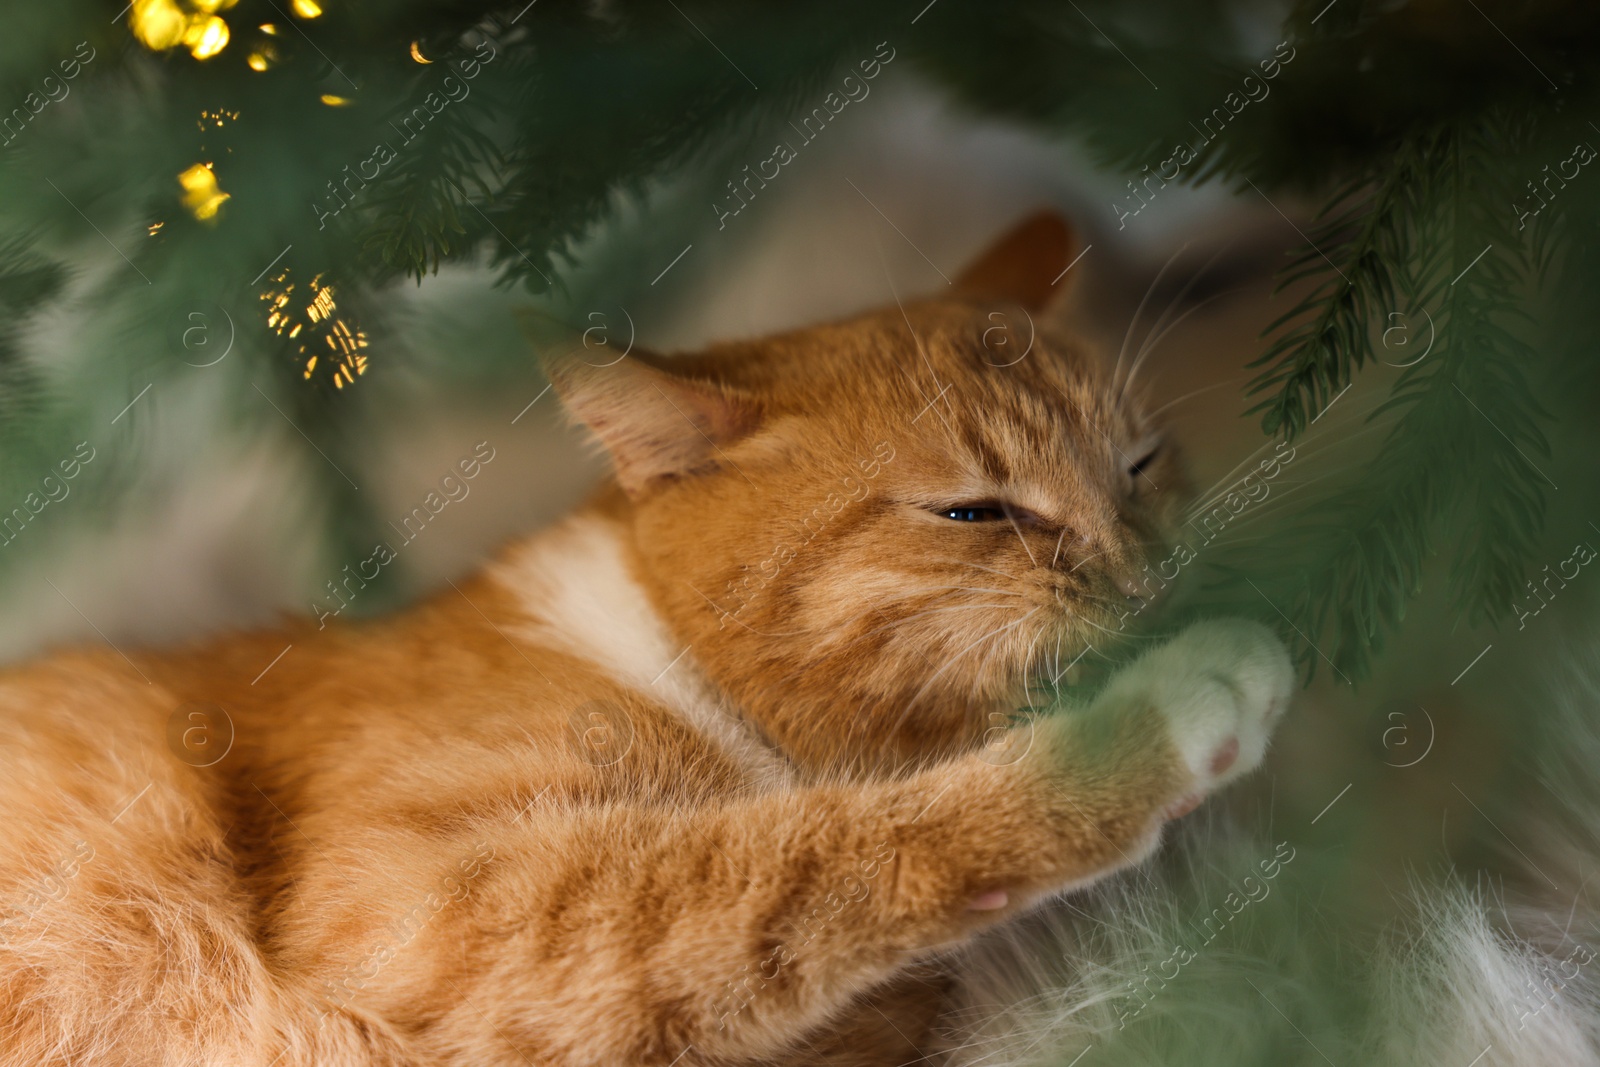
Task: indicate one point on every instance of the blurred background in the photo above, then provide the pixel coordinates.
(270, 268)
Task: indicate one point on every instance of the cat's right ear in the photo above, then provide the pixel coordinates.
(656, 423)
(1025, 265)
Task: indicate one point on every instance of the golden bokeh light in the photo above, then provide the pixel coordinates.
(257, 61)
(205, 39)
(161, 25)
(336, 101)
(416, 53)
(216, 117)
(307, 9)
(330, 342)
(201, 193)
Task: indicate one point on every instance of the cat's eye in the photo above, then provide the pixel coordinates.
(1147, 457)
(973, 513)
(986, 511)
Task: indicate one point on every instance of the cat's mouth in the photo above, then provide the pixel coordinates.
(1078, 645)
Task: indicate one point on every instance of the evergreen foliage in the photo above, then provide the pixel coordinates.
(1427, 136)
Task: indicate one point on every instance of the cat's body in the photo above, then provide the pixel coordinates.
(702, 774)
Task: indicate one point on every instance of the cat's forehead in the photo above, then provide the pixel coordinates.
(996, 377)
(966, 409)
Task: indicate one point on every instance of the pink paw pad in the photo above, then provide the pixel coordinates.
(993, 900)
(1224, 757)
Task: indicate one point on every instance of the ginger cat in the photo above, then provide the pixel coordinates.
(707, 773)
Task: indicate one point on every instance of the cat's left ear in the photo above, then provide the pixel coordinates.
(1025, 266)
(656, 422)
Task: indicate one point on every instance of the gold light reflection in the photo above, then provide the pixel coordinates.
(217, 117)
(159, 24)
(306, 9)
(330, 342)
(206, 39)
(165, 24)
(257, 61)
(416, 53)
(336, 101)
(201, 194)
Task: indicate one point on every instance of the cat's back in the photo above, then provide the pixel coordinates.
(176, 825)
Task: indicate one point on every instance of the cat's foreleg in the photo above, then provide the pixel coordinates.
(723, 933)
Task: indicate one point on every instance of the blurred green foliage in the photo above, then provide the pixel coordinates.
(1426, 132)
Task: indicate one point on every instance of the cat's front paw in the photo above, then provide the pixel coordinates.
(1221, 686)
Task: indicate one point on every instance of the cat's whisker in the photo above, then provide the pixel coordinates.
(908, 595)
(982, 669)
(1133, 323)
(1034, 666)
(1023, 541)
(1191, 395)
(1039, 654)
(1056, 555)
(1304, 451)
(1084, 560)
(1251, 518)
(1194, 279)
(1287, 494)
(1119, 634)
(897, 623)
(1209, 496)
(1151, 344)
(1160, 328)
(1314, 446)
(953, 660)
(1034, 660)
(968, 563)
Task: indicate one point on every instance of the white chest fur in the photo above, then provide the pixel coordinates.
(574, 583)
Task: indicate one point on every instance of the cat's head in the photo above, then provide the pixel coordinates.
(873, 533)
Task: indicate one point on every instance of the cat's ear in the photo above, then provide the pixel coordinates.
(1025, 264)
(656, 423)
